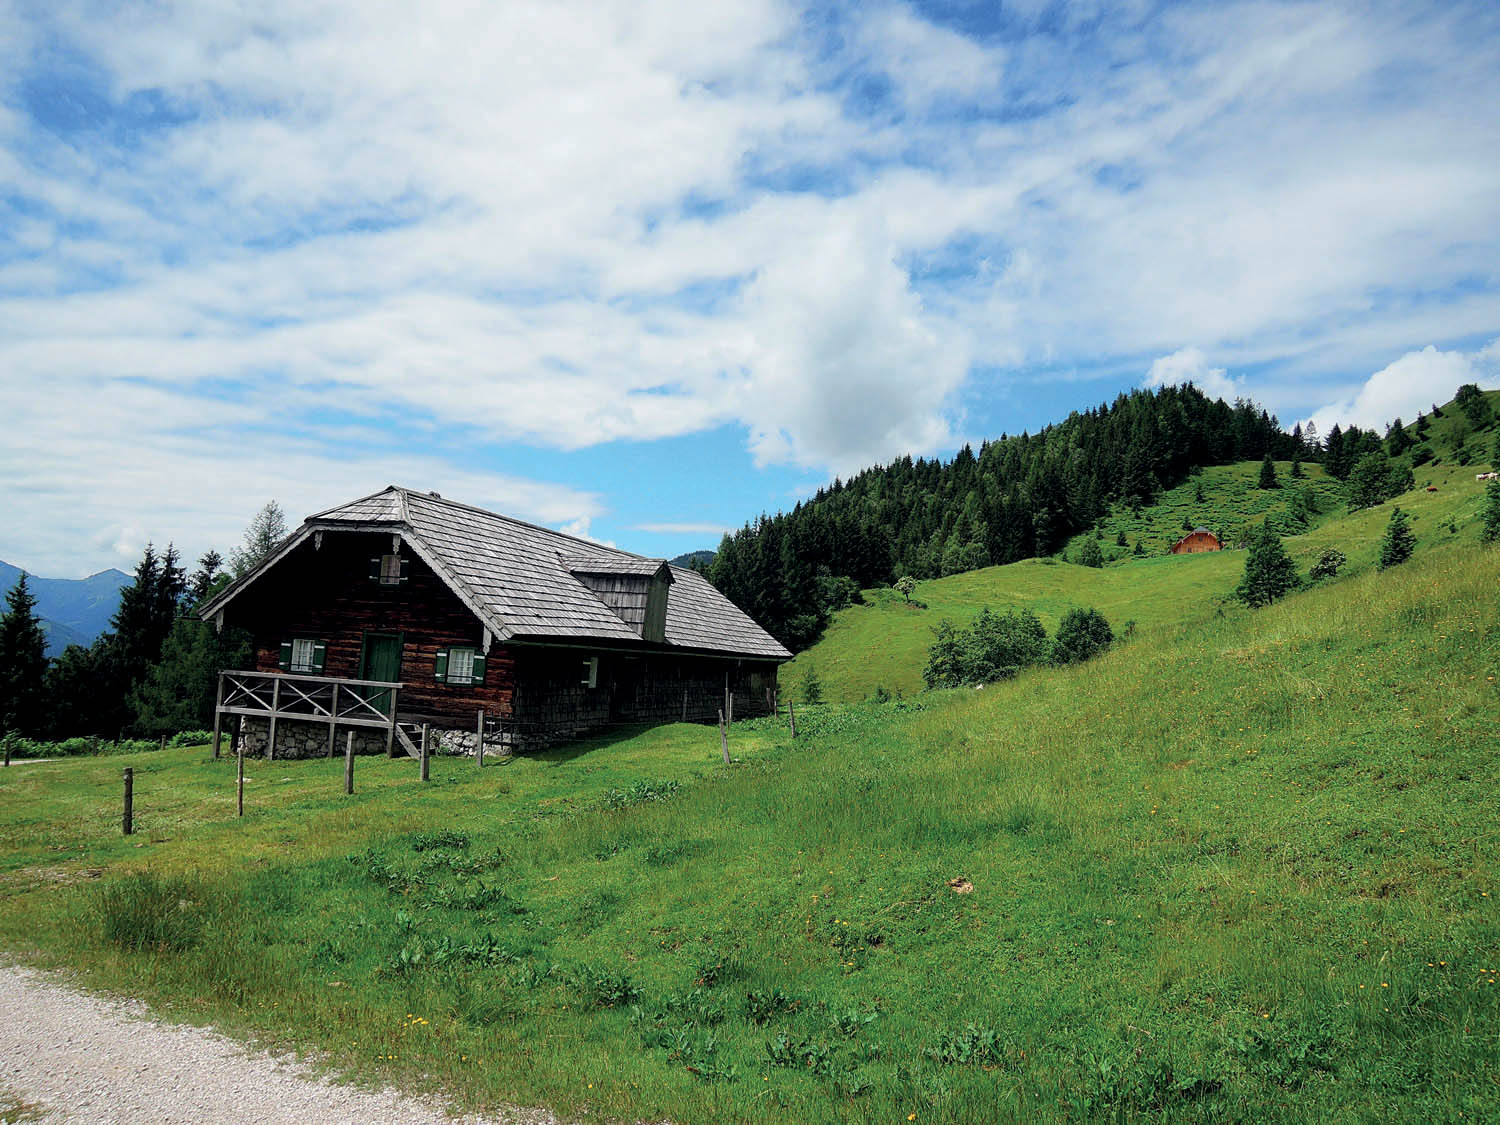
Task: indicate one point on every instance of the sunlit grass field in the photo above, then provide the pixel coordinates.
(884, 643)
(1241, 868)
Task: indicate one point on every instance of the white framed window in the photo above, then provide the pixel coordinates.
(390, 570)
(460, 665)
(303, 655)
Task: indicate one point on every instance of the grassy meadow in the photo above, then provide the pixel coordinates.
(1241, 868)
(884, 642)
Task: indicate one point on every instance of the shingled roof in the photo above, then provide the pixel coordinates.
(520, 579)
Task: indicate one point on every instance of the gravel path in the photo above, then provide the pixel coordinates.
(73, 1057)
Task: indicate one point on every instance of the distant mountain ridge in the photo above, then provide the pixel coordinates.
(701, 557)
(73, 610)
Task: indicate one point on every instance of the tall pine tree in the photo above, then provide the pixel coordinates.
(23, 663)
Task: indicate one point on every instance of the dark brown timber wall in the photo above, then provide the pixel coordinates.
(326, 594)
(533, 695)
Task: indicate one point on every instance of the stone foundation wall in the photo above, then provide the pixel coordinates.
(297, 739)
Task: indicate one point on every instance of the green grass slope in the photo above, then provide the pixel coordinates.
(884, 643)
(1237, 869)
(1231, 506)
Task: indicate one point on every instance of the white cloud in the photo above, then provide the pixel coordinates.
(1409, 385)
(845, 364)
(1189, 365)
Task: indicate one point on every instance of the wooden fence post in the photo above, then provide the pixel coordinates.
(791, 715)
(7, 752)
(724, 736)
(218, 716)
(684, 705)
(127, 822)
(239, 768)
(479, 740)
(349, 764)
(426, 756)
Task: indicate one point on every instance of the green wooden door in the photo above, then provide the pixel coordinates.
(382, 661)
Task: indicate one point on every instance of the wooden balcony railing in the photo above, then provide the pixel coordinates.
(318, 699)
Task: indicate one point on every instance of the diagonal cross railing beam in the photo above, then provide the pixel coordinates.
(332, 700)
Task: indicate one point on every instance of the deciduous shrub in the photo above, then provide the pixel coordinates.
(1083, 633)
(191, 738)
(1329, 563)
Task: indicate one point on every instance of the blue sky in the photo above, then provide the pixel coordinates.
(644, 269)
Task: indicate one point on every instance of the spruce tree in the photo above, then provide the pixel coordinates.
(1269, 570)
(23, 663)
(266, 530)
(1490, 532)
(1089, 554)
(1297, 473)
(1399, 542)
(1470, 399)
(1397, 440)
(1268, 474)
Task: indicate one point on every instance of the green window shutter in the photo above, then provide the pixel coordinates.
(478, 668)
(405, 569)
(440, 667)
(375, 569)
(319, 656)
(284, 662)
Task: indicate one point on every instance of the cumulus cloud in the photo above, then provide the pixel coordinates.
(844, 363)
(1189, 365)
(1409, 385)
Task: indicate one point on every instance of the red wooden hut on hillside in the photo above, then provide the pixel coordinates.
(1198, 540)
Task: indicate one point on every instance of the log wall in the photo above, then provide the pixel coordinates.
(326, 593)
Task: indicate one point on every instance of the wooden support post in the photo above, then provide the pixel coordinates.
(426, 757)
(390, 729)
(218, 715)
(791, 715)
(275, 706)
(684, 704)
(724, 737)
(479, 740)
(127, 822)
(349, 764)
(163, 742)
(239, 758)
(333, 719)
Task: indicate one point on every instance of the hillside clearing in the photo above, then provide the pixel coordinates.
(884, 643)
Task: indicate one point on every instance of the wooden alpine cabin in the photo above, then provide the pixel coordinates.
(1197, 541)
(403, 611)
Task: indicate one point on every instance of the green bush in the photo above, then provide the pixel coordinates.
(1083, 633)
(1329, 563)
(191, 738)
(993, 648)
